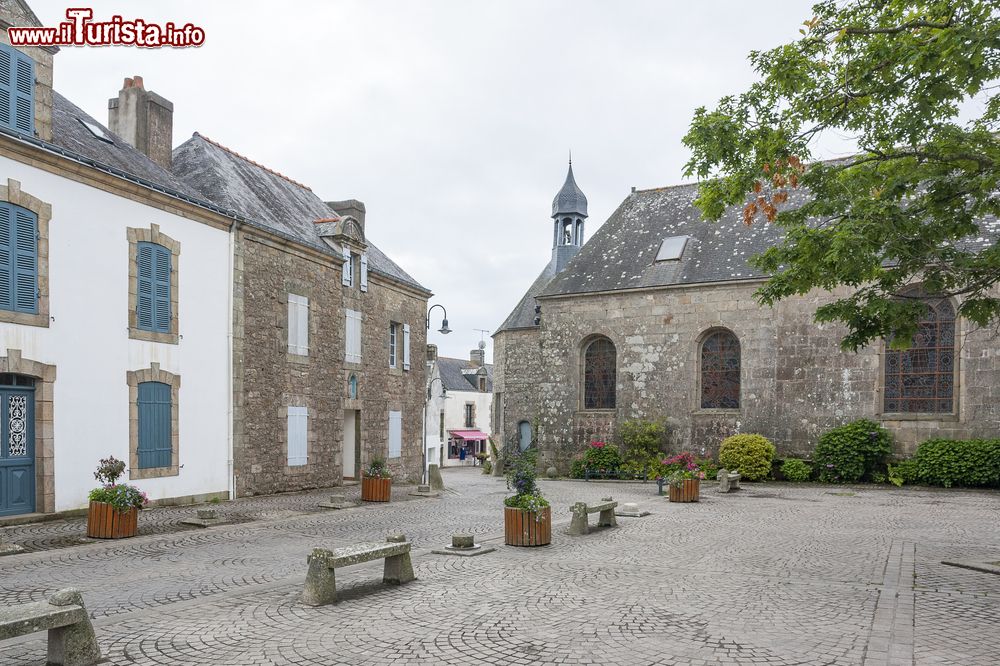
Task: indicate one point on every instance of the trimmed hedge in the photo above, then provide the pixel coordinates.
(796, 469)
(950, 462)
(852, 452)
(750, 454)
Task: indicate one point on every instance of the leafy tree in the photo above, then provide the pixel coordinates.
(893, 76)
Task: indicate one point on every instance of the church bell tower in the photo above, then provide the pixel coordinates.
(569, 210)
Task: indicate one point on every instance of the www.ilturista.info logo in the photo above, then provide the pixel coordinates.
(80, 30)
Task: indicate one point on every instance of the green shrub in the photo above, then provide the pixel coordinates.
(852, 452)
(577, 468)
(905, 471)
(796, 469)
(969, 463)
(750, 454)
(599, 457)
(709, 467)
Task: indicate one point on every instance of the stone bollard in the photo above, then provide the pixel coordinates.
(578, 525)
(423, 489)
(434, 476)
(207, 514)
(463, 541)
(465, 545)
(338, 498)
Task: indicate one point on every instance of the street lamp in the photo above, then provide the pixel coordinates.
(444, 322)
(444, 394)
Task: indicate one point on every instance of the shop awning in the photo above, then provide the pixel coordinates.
(469, 434)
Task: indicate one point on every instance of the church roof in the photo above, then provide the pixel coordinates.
(267, 198)
(570, 199)
(622, 253)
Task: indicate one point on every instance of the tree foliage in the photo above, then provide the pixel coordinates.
(893, 76)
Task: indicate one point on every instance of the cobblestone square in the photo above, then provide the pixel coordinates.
(773, 574)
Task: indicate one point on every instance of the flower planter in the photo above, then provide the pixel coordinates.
(687, 491)
(104, 521)
(527, 528)
(376, 489)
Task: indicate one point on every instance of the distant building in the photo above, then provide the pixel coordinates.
(458, 424)
(655, 318)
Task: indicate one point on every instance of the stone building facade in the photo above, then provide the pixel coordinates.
(664, 310)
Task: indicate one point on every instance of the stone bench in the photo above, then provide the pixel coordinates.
(581, 511)
(321, 583)
(71, 635)
(728, 481)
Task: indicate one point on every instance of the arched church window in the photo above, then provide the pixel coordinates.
(921, 379)
(720, 370)
(599, 374)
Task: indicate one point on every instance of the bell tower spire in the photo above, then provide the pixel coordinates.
(569, 210)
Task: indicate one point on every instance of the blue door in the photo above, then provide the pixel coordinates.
(17, 450)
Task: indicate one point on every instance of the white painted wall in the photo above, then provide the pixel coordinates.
(454, 418)
(87, 339)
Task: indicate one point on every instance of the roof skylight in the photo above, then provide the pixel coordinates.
(672, 248)
(96, 130)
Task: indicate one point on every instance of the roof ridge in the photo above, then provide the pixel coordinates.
(256, 164)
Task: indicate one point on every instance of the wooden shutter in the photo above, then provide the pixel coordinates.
(406, 346)
(364, 272)
(298, 429)
(25, 260)
(6, 255)
(353, 337)
(298, 324)
(347, 276)
(161, 289)
(17, 90)
(395, 434)
(155, 447)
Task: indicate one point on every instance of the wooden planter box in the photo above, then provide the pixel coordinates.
(527, 528)
(687, 492)
(375, 489)
(104, 521)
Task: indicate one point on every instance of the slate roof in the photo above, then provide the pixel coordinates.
(621, 254)
(69, 133)
(268, 199)
(570, 199)
(453, 379)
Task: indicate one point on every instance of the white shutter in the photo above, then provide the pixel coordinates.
(347, 277)
(395, 434)
(352, 343)
(364, 272)
(303, 326)
(406, 346)
(298, 426)
(298, 325)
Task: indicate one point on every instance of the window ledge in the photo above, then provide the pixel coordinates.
(151, 336)
(723, 411)
(24, 318)
(297, 358)
(297, 470)
(922, 416)
(612, 410)
(153, 472)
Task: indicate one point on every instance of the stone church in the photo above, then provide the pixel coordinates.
(654, 318)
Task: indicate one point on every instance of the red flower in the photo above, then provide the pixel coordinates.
(598, 445)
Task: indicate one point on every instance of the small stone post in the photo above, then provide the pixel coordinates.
(321, 583)
(578, 525)
(399, 568)
(723, 477)
(434, 476)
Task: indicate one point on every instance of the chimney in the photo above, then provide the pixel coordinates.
(432, 353)
(352, 207)
(478, 357)
(144, 120)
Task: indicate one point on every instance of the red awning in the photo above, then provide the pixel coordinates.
(469, 434)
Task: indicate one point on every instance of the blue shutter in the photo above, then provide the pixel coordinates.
(155, 431)
(25, 261)
(6, 255)
(17, 90)
(153, 288)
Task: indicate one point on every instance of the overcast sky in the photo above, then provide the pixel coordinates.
(451, 120)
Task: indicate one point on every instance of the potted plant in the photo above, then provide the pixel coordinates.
(684, 478)
(376, 482)
(114, 507)
(527, 517)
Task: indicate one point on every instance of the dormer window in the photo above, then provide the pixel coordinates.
(17, 90)
(671, 249)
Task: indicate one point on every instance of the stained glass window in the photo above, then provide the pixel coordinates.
(599, 375)
(921, 379)
(720, 371)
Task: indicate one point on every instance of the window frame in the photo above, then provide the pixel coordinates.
(296, 304)
(153, 374)
(11, 193)
(700, 395)
(154, 236)
(587, 345)
(393, 345)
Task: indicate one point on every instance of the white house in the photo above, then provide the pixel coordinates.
(115, 307)
(458, 418)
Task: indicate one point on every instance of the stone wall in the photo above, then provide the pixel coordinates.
(795, 381)
(268, 379)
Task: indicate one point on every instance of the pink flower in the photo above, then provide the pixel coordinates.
(598, 445)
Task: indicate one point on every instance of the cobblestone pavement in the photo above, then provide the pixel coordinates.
(774, 574)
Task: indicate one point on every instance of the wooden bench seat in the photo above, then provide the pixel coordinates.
(581, 512)
(71, 635)
(321, 582)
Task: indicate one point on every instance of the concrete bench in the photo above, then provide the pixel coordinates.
(71, 635)
(728, 481)
(581, 511)
(321, 583)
